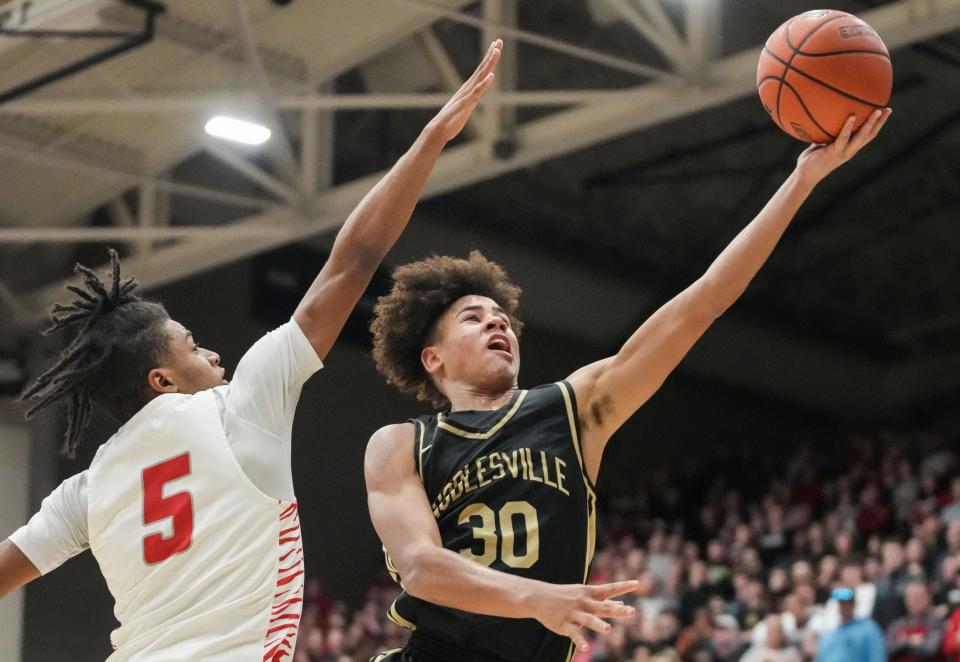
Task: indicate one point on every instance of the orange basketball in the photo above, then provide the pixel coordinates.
(820, 67)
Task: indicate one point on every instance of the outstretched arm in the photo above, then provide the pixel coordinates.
(611, 390)
(405, 523)
(374, 226)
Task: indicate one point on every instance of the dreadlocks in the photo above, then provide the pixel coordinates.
(118, 339)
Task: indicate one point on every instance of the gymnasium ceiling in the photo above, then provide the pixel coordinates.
(622, 147)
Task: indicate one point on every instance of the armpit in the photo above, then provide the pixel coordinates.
(598, 412)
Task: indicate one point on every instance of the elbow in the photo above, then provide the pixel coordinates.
(414, 569)
(711, 299)
(358, 254)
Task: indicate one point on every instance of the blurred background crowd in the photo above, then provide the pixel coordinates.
(742, 556)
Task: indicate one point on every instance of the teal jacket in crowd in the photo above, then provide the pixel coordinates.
(860, 640)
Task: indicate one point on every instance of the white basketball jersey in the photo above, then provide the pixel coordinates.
(201, 563)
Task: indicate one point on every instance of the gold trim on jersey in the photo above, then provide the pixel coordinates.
(391, 567)
(591, 496)
(395, 616)
(482, 435)
(385, 654)
(420, 448)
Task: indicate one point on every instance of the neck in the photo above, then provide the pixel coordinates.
(471, 398)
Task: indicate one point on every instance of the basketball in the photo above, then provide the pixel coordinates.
(820, 67)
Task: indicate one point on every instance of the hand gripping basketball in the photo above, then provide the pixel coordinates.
(454, 115)
(568, 609)
(818, 161)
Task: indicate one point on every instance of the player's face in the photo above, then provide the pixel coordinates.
(189, 368)
(475, 346)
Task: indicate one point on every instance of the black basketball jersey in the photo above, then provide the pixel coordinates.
(509, 490)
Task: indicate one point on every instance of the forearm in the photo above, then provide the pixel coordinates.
(375, 224)
(735, 267)
(15, 568)
(366, 237)
(449, 579)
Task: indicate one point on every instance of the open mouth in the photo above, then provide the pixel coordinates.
(501, 345)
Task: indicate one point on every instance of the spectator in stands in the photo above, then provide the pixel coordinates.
(951, 637)
(751, 603)
(872, 516)
(905, 491)
(951, 513)
(726, 643)
(918, 636)
(775, 648)
(951, 546)
(696, 636)
(857, 639)
(865, 592)
(695, 594)
(889, 602)
(615, 647)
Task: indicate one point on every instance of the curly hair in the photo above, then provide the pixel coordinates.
(404, 321)
(119, 338)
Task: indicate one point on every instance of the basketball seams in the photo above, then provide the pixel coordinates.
(786, 32)
(807, 110)
(885, 56)
(796, 50)
(870, 75)
(827, 85)
(865, 102)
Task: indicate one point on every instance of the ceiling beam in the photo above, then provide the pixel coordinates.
(130, 179)
(279, 147)
(205, 40)
(160, 104)
(237, 162)
(563, 132)
(667, 41)
(97, 234)
(549, 43)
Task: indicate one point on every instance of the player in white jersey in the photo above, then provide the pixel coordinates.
(189, 507)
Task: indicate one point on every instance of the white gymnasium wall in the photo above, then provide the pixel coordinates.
(14, 487)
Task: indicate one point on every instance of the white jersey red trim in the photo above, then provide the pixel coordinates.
(281, 636)
(189, 510)
(202, 564)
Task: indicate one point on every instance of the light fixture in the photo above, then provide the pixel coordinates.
(241, 131)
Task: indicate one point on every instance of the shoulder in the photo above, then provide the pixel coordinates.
(388, 450)
(70, 495)
(392, 434)
(76, 483)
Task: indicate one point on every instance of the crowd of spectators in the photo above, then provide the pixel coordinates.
(839, 556)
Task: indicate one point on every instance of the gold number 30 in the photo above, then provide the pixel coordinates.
(487, 532)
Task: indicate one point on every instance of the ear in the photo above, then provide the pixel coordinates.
(431, 360)
(160, 381)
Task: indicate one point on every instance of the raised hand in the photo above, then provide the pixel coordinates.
(818, 161)
(454, 115)
(568, 609)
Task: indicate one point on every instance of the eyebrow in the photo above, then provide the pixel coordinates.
(496, 309)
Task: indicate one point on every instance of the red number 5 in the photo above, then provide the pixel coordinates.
(156, 507)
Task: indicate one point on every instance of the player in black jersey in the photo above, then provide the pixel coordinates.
(488, 508)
